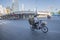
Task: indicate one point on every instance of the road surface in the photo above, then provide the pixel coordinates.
(20, 30)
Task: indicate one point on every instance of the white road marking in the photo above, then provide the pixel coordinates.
(4, 22)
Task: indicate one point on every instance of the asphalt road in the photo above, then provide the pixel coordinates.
(20, 30)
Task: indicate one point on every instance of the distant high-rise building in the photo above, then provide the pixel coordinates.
(23, 7)
(15, 5)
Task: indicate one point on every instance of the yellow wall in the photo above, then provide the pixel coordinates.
(7, 11)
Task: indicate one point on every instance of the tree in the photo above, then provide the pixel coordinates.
(52, 13)
(59, 12)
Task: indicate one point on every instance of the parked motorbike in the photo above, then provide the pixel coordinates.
(41, 25)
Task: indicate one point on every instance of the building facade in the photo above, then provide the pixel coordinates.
(2, 10)
(43, 13)
(26, 14)
(15, 5)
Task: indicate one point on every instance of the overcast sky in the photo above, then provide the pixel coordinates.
(31, 4)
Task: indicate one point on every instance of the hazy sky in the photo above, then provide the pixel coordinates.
(31, 4)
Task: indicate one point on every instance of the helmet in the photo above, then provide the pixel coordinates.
(35, 15)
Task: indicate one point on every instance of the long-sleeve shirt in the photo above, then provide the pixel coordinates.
(36, 19)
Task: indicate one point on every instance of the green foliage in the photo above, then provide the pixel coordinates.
(58, 12)
(52, 13)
